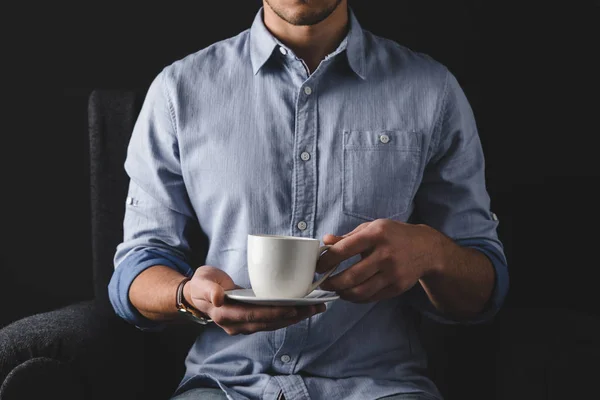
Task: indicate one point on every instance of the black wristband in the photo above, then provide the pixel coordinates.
(180, 298)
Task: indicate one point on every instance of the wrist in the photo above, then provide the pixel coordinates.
(185, 305)
(188, 299)
(441, 250)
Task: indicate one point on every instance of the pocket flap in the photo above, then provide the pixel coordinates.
(382, 140)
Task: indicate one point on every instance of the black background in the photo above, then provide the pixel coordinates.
(530, 71)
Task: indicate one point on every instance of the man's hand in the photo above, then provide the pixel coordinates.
(206, 292)
(394, 256)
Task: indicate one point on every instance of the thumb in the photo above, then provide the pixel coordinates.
(210, 284)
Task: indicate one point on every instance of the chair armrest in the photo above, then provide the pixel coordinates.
(460, 358)
(104, 351)
(547, 353)
(524, 354)
(39, 378)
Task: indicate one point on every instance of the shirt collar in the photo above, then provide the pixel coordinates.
(262, 44)
(356, 51)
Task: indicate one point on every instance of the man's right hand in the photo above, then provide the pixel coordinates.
(206, 292)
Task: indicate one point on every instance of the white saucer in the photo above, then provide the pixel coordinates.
(248, 296)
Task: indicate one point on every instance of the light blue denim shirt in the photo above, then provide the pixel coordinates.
(238, 138)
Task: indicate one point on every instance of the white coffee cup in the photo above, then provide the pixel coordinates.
(284, 266)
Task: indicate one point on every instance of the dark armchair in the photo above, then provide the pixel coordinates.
(84, 351)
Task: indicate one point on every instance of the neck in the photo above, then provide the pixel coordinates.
(312, 43)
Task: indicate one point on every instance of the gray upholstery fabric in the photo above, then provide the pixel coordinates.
(36, 378)
(547, 353)
(525, 354)
(111, 116)
(109, 358)
(100, 350)
(56, 335)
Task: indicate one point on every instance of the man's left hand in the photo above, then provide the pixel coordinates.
(394, 256)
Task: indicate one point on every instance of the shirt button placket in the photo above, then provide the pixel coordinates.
(306, 174)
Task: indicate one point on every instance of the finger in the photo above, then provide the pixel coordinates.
(353, 276)
(252, 327)
(357, 229)
(344, 249)
(367, 290)
(333, 239)
(209, 284)
(236, 313)
(315, 308)
(247, 329)
(328, 239)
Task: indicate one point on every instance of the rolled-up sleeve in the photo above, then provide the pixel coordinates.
(157, 207)
(453, 197)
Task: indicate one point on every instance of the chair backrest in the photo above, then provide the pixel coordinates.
(111, 117)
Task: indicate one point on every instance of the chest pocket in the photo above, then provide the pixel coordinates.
(380, 171)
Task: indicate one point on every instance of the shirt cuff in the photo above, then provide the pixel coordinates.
(124, 275)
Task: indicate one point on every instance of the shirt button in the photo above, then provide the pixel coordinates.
(307, 90)
(384, 139)
(285, 358)
(302, 225)
(305, 156)
(283, 51)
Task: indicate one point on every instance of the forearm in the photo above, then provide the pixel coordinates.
(462, 280)
(153, 292)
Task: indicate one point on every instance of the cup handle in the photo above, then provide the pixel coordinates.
(316, 284)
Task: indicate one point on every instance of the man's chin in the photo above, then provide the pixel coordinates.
(304, 13)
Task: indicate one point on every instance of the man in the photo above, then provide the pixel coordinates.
(306, 125)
